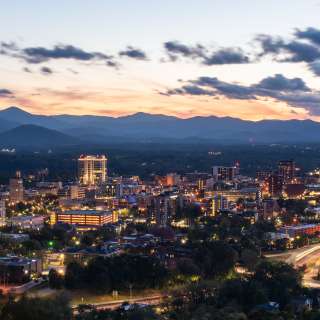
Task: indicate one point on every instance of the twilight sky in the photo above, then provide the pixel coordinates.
(241, 58)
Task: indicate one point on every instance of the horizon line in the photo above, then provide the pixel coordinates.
(152, 114)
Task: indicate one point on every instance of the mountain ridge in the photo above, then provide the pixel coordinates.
(144, 126)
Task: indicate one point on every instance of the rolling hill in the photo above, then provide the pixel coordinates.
(26, 136)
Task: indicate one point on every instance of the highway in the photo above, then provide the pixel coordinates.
(309, 256)
(148, 300)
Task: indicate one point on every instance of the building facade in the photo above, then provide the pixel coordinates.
(92, 169)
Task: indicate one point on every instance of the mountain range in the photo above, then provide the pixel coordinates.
(20, 128)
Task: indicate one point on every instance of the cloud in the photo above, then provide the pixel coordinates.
(315, 67)
(6, 93)
(133, 53)
(311, 34)
(292, 91)
(37, 55)
(280, 83)
(176, 50)
(46, 71)
(288, 51)
(26, 69)
(304, 47)
(226, 56)
(190, 90)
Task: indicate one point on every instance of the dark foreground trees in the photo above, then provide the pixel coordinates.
(56, 308)
(115, 273)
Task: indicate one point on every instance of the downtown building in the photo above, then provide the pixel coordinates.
(84, 219)
(16, 190)
(92, 169)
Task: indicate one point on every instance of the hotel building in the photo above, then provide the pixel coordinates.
(92, 169)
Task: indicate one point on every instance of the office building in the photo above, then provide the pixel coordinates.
(18, 270)
(77, 192)
(224, 173)
(2, 213)
(219, 202)
(16, 188)
(301, 229)
(286, 170)
(92, 169)
(84, 219)
(275, 185)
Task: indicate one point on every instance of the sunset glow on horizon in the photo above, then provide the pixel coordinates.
(122, 58)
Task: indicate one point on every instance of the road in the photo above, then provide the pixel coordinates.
(148, 300)
(309, 256)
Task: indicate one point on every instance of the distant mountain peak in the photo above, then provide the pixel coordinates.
(14, 109)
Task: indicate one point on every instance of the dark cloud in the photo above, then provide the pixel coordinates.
(315, 67)
(280, 83)
(133, 53)
(291, 51)
(226, 56)
(5, 93)
(291, 91)
(175, 50)
(46, 71)
(41, 54)
(311, 34)
(190, 90)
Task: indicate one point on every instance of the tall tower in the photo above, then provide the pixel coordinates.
(16, 188)
(92, 169)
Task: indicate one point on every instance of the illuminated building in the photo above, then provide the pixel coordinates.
(27, 222)
(84, 219)
(2, 213)
(92, 169)
(172, 179)
(77, 192)
(302, 229)
(275, 185)
(224, 173)
(16, 188)
(263, 175)
(219, 203)
(287, 170)
(234, 195)
(18, 270)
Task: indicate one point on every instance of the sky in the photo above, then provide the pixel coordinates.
(240, 58)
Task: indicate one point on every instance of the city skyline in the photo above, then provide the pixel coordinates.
(117, 59)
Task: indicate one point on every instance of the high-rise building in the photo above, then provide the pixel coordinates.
(220, 173)
(275, 185)
(2, 213)
(219, 202)
(77, 192)
(92, 169)
(287, 170)
(16, 188)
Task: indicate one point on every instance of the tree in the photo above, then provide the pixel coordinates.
(243, 293)
(98, 275)
(250, 258)
(281, 280)
(74, 276)
(56, 308)
(215, 258)
(55, 279)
